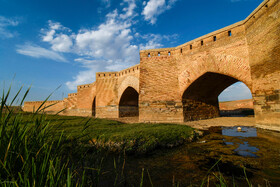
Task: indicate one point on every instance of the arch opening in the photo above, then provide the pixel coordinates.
(200, 99)
(94, 107)
(128, 105)
(236, 101)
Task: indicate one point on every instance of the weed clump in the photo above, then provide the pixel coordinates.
(30, 155)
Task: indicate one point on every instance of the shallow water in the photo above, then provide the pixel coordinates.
(256, 150)
(244, 148)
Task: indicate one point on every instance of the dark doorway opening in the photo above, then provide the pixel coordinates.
(128, 106)
(94, 107)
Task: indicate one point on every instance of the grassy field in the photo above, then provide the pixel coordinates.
(116, 136)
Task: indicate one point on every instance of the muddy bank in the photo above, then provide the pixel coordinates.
(207, 123)
(222, 122)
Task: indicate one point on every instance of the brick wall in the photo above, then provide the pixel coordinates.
(183, 83)
(262, 33)
(51, 106)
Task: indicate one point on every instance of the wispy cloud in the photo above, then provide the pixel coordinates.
(107, 3)
(129, 11)
(5, 23)
(153, 8)
(39, 52)
(84, 76)
(111, 46)
(155, 40)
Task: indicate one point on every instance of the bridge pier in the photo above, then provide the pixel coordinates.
(161, 111)
(267, 110)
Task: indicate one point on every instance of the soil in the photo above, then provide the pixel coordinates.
(222, 122)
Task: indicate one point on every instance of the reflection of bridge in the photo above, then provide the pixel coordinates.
(183, 83)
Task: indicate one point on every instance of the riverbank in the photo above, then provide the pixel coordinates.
(207, 123)
(222, 122)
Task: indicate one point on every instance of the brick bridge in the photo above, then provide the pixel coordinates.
(183, 83)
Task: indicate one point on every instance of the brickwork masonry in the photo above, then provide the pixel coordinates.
(183, 83)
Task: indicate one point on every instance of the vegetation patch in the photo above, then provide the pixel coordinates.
(117, 137)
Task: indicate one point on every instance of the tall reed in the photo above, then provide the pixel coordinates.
(29, 154)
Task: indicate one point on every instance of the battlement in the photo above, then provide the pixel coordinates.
(33, 102)
(83, 86)
(126, 71)
(225, 33)
(72, 94)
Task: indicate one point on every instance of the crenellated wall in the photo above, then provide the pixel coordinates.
(183, 83)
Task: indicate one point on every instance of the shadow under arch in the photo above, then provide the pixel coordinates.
(128, 105)
(94, 107)
(200, 99)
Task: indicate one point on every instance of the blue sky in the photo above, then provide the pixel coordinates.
(48, 43)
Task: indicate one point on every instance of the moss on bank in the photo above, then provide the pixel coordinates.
(116, 136)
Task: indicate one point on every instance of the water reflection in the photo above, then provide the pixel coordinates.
(245, 131)
(244, 148)
(254, 149)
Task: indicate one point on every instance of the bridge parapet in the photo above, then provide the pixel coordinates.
(130, 70)
(209, 39)
(54, 101)
(83, 86)
(72, 94)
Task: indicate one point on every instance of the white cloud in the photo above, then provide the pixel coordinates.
(237, 91)
(59, 41)
(111, 46)
(62, 43)
(153, 8)
(91, 66)
(86, 76)
(129, 11)
(39, 52)
(4, 24)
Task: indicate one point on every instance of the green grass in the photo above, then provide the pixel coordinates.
(30, 155)
(117, 136)
(51, 150)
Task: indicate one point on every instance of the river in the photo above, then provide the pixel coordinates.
(223, 154)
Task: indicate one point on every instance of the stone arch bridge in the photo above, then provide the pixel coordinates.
(183, 83)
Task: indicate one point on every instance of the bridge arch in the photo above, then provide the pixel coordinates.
(129, 103)
(129, 81)
(200, 98)
(94, 107)
(229, 65)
